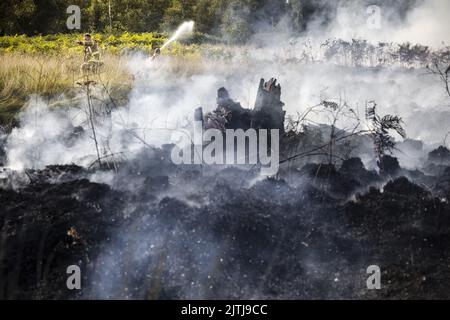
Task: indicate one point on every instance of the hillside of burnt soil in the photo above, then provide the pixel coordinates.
(157, 231)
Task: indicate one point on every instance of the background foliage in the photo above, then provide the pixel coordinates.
(235, 19)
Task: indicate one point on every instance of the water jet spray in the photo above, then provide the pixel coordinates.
(185, 29)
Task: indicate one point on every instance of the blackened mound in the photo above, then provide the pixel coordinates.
(440, 155)
(199, 233)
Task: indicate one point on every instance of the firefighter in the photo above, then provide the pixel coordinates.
(91, 55)
(156, 54)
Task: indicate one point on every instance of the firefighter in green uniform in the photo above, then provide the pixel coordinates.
(91, 55)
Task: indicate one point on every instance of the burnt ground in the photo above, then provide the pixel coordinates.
(165, 232)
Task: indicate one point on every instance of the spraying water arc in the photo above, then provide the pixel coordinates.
(185, 29)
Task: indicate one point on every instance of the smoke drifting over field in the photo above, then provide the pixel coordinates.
(414, 21)
(164, 98)
(212, 233)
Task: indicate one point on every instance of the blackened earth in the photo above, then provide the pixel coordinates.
(167, 232)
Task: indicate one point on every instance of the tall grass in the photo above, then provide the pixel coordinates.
(49, 66)
(22, 75)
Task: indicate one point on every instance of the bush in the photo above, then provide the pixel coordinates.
(66, 43)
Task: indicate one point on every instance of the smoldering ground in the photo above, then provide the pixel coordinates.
(163, 100)
(169, 232)
(149, 229)
(164, 231)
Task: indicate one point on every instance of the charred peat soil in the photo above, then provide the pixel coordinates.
(162, 231)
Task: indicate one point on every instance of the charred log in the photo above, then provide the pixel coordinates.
(268, 111)
(236, 116)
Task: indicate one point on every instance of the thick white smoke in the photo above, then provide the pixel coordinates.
(163, 100)
(426, 23)
(160, 102)
(167, 90)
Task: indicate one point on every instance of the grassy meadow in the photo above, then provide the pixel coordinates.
(50, 65)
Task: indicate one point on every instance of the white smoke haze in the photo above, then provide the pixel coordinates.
(39, 140)
(161, 102)
(426, 23)
(166, 91)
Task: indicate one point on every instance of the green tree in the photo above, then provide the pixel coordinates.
(177, 12)
(207, 15)
(126, 15)
(237, 20)
(236, 26)
(295, 11)
(31, 16)
(15, 17)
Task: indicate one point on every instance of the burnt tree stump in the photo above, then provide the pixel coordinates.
(268, 112)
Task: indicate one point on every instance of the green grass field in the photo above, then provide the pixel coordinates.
(66, 43)
(49, 66)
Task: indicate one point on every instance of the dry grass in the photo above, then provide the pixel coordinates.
(24, 75)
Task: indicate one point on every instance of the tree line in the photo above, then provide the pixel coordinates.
(236, 19)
